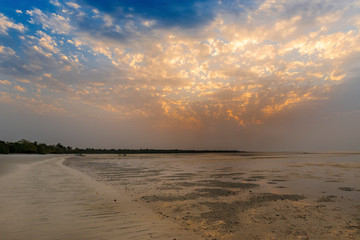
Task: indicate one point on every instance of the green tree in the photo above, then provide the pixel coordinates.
(4, 148)
(26, 146)
(42, 149)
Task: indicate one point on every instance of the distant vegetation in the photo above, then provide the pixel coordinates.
(25, 146)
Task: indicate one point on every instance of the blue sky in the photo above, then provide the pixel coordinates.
(253, 75)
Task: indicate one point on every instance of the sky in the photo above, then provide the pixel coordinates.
(262, 75)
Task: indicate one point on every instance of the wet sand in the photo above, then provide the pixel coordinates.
(230, 196)
(180, 196)
(42, 199)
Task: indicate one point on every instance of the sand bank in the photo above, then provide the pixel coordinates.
(234, 197)
(45, 200)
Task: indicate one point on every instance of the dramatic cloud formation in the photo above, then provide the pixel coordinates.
(186, 74)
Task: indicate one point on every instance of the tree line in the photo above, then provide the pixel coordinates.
(25, 146)
(28, 147)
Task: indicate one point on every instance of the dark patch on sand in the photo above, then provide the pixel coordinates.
(224, 169)
(168, 198)
(169, 186)
(221, 217)
(251, 180)
(179, 176)
(278, 180)
(215, 192)
(332, 181)
(197, 193)
(221, 184)
(187, 184)
(257, 177)
(218, 184)
(268, 197)
(330, 198)
(347, 189)
(225, 175)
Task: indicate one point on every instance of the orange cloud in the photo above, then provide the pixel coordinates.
(5, 82)
(20, 89)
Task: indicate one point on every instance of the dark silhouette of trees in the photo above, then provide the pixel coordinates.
(4, 148)
(22, 146)
(25, 146)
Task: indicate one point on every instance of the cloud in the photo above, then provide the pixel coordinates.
(19, 89)
(55, 3)
(238, 70)
(41, 51)
(6, 24)
(6, 51)
(5, 82)
(54, 22)
(73, 5)
(47, 42)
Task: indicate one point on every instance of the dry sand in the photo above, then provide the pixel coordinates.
(237, 197)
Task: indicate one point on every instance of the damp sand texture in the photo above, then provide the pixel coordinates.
(183, 196)
(45, 200)
(235, 196)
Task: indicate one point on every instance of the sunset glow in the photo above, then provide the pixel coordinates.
(183, 71)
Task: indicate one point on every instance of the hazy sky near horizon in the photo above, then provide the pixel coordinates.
(248, 75)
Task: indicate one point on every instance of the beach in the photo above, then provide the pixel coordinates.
(184, 196)
(42, 199)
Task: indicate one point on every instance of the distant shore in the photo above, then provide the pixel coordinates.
(27, 147)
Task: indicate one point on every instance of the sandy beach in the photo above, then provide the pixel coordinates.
(41, 199)
(230, 196)
(180, 196)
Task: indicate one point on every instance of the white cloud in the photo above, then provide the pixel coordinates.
(149, 23)
(41, 51)
(54, 22)
(73, 5)
(6, 51)
(55, 3)
(47, 42)
(6, 24)
(109, 21)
